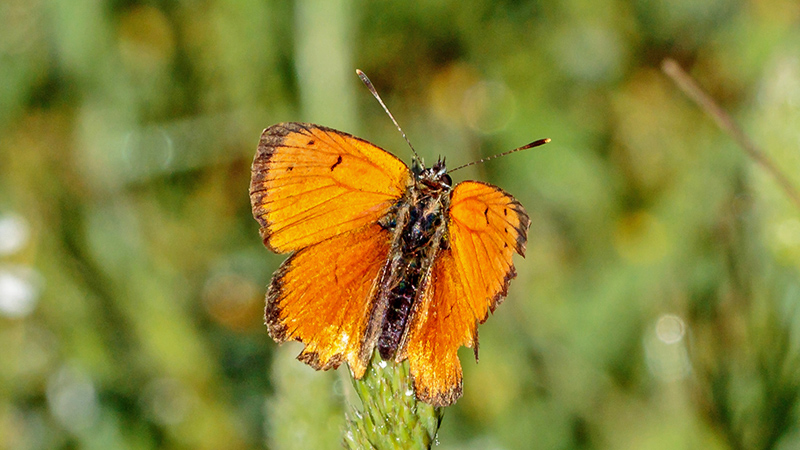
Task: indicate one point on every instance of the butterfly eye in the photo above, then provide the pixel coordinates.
(447, 180)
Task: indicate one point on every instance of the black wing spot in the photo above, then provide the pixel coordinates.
(505, 229)
(486, 215)
(338, 161)
(505, 211)
(311, 142)
(289, 169)
(505, 244)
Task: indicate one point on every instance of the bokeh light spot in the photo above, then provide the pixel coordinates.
(590, 52)
(233, 301)
(14, 233)
(167, 400)
(19, 290)
(489, 106)
(72, 398)
(665, 349)
(146, 40)
(446, 91)
(148, 151)
(670, 328)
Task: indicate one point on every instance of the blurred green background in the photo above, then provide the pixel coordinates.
(658, 303)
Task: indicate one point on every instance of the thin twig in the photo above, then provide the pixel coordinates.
(690, 87)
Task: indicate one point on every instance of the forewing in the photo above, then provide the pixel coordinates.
(323, 296)
(310, 183)
(486, 227)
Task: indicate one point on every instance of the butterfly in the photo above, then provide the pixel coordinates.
(382, 256)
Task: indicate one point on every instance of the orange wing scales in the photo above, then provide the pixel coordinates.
(323, 296)
(486, 226)
(441, 324)
(298, 172)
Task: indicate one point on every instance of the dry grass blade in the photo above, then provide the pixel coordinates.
(690, 87)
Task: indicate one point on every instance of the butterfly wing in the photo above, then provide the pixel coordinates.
(320, 193)
(310, 183)
(468, 279)
(323, 296)
(487, 226)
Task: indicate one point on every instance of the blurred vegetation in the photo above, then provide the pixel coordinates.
(658, 303)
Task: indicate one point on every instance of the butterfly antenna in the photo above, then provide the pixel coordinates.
(371, 88)
(524, 147)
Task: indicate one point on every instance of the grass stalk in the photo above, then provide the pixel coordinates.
(390, 416)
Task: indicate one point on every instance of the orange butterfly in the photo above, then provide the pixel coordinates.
(382, 256)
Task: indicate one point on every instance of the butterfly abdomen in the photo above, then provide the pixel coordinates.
(419, 240)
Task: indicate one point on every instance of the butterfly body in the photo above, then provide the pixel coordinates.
(419, 232)
(382, 257)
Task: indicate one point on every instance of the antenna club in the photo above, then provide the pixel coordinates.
(368, 84)
(524, 147)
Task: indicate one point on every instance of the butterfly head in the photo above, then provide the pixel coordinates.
(434, 178)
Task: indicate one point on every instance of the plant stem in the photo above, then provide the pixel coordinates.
(390, 417)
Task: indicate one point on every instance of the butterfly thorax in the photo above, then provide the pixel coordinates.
(419, 232)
